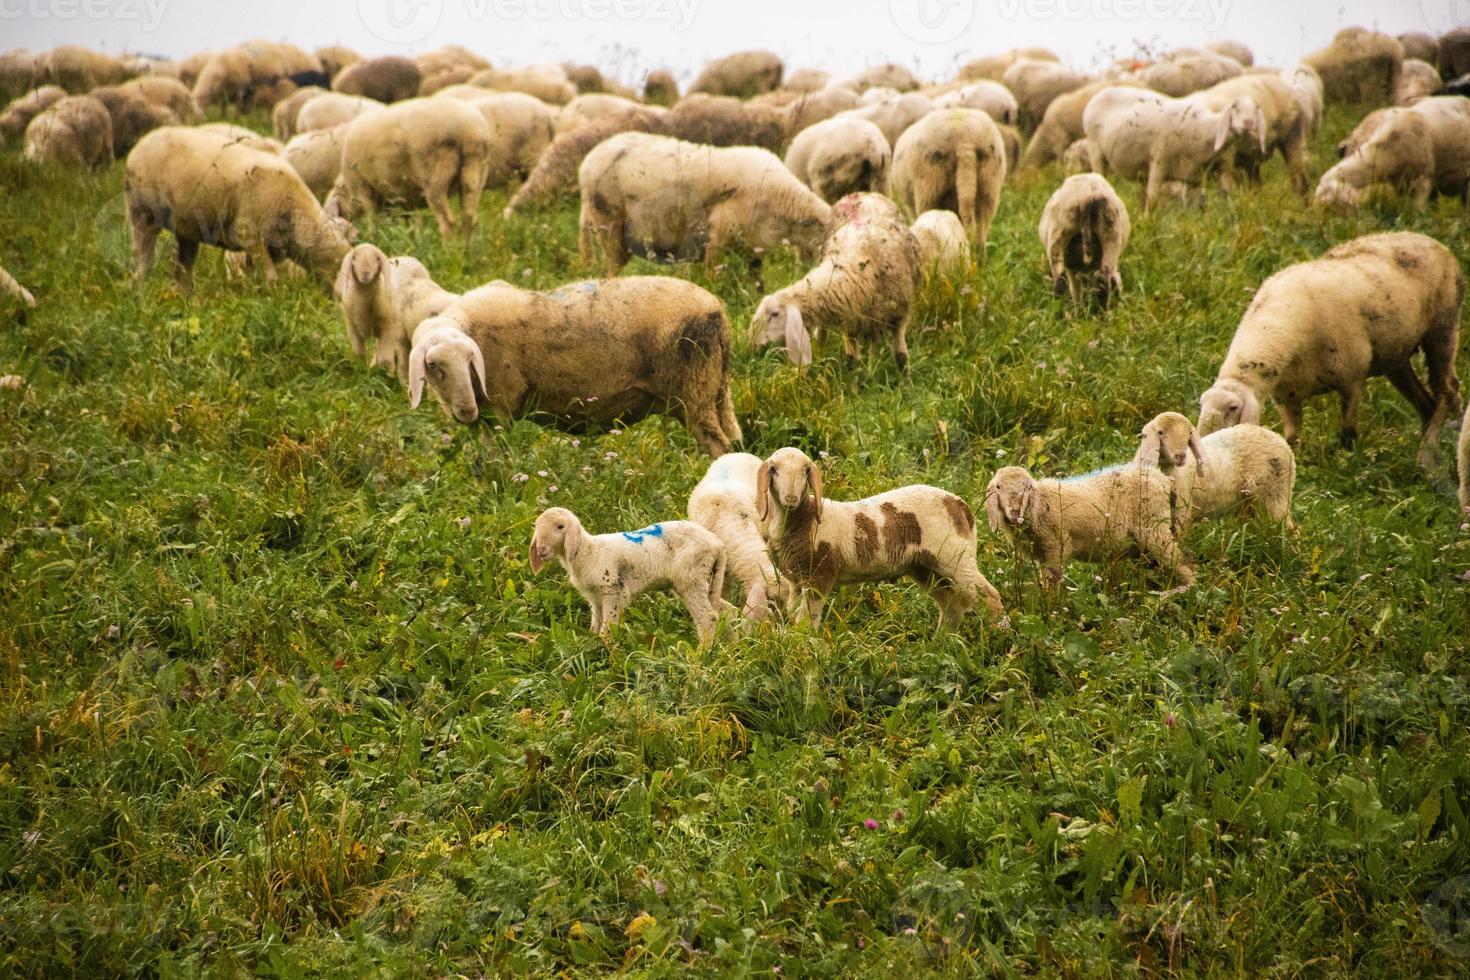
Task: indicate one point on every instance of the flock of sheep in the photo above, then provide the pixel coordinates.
(885, 180)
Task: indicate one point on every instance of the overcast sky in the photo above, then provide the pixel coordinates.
(629, 36)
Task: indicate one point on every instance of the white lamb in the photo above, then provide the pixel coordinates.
(610, 569)
(386, 299)
(724, 502)
(1243, 464)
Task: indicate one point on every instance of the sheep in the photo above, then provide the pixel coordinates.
(333, 109)
(1454, 53)
(132, 115)
(992, 98)
(662, 198)
(1244, 464)
(9, 287)
(334, 58)
(207, 188)
(837, 157)
(256, 73)
(893, 115)
(1061, 124)
(863, 282)
(1170, 142)
(1112, 513)
(598, 352)
(952, 159)
(659, 88)
(1359, 66)
(919, 532)
(741, 75)
(1284, 129)
(888, 75)
(1188, 70)
(317, 157)
(546, 82)
(609, 570)
(1035, 84)
(386, 79)
(521, 128)
(416, 150)
(1233, 49)
(1084, 229)
(1076, 159)
(75, 131)
(724, 503)
(22, 109)
(1329, 324)
(79, 70)
(994, 66)
(589, 80)
(19, 74)
(1420, 149)
(589, 107)
(806, 80)
(941, 240)
(285, 112)
(813, 107)
(1306, 85)
(1417, 80)
(384, 300)
(168, 92)
(1422, 46)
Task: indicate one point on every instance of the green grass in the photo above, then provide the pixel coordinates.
(279, 695)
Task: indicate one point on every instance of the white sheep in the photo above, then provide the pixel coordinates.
(1364, 308)
(919, 532)
(1241, 465)
(548, 83)
(1036, 83)
(385, 300)
(742, 74)
(1112, 513)
(840, 156)
(1419, 79)
(1084, 229)
(521, 128)
(953, 159)
(285, 113)
(333, 109)
(589, 107)
(416, 150)
(992, 98)
(74, 131)
(1284, 129)
(724, 502)
(941, 239)
(1420, 150)
(863, 283)
(317, 157)
(609, 570)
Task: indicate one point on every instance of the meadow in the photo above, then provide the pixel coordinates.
(279, 694)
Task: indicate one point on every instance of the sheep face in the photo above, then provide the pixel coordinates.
(780, 322)
(1008, 498)
(782, 482)
(363, 265)
(558, 536)
(1167, 441)
(1242, 118)
(451, 362)
(1227, 403)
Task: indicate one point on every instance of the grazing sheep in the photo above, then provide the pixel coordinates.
(952, 159)
(1084, 229)
(390, 78)
(317, 157)
(1329, 324)
(919, 532)
(813, 107)
(416, 150)
(79, 70)
(286, 111)
(1242, 465)
(597, 352)
(1418, 150)
(941, 240)
(588, 108)
(133, 116)
(448, 58)
(806, 80)
(1233, 49)
(589, 80)
(19, 74)
(207, 188)
(168, 92)
(1035, 84)
(546, 82)
(1454, 53)
(740, 75)
(992, 98)
(1112, 513)
(1306, 85)
(609, 570)
(75, 131)
(863, 283)
(1283, 130)
(384, 300)
(661, 198)
(1417, 80)
(724, 503)
(254, 74)
(21, 110)
(1359, 66)
(1188, 70)
(994, 66)
(659, 88)
(888, 75)
(521, 128)
(1061, 124)
(333, 109)
(9, 287)
(837, 157)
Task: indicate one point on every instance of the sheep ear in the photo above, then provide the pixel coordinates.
(416, 368)
(1261, 126)
(763, 490)
(340, 286)
(1250, 409)
(1198, 450)
(993, 509)
(798, 341)
(536, 562)
(1148, 448)
(572, 542)
(1222, 131)
(814, 477)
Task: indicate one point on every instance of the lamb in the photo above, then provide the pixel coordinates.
(521, 128)
(317, 157)
(724, 503)
(609, 570)
(1036, 84)
(589, 107)
(416, 150)
(21, 110)
(919, 532)
(1329, 324)
(333, 109)
(992, 98)
(1419, 149)
(390, 78)
(1359, 66)
(1112, 513)
(546, 82)
(597, 352)
(75, 131)
(837, 157)
(662, 197)
(740, 75)
(9, 287)
(385, 300)
(206, 188)
(1084, 229)
(1244, 464)
(132, 115)
(168, 92)
(1283, 129)
(1061, 124)
(952, 159)
(285, 112)
(1417, 80)
(864, 283)
(941, 240)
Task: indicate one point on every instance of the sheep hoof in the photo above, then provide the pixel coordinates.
(1347, 437)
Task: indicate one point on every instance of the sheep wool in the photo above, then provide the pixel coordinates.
(1084, 229)
(724, 502)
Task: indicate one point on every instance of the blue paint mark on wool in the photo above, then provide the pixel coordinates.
(652, 531)
(1089, 473)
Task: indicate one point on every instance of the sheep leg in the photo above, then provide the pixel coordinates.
(756, 601)
(145, 241)
(1160, 545)
(614, 249)
(613, 606)
(594, 602)
(1291, 421)
(260, 254)
(900, 345)
(1294, 152)
(1402, 377)
(1440, 345)
(707, 431)
(729, 425)
(184, 265)
(472, 176)
(1152, 186)
(1351, 396)
(696, 601)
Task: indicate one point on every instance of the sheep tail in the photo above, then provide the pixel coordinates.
(965, 179)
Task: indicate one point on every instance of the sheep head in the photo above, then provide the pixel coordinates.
(364, 266)
(777, 320)
(1166, 442)
(782, 482)
(1009, 497)
(452, 364)
(1229, 402)
(558, 535)
(1243, 117)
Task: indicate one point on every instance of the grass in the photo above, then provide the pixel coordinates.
(279, 695)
